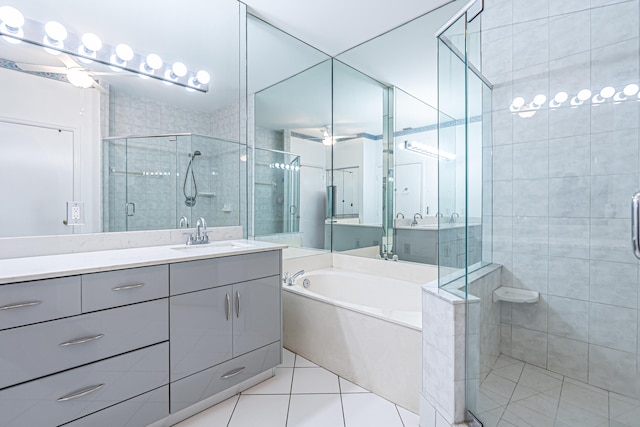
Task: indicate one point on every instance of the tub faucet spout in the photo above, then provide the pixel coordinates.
(290, 279)
(453, 218)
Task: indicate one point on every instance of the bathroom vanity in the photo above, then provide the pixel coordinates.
(128, 337)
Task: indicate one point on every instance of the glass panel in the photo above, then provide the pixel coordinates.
(452, 155)
(565, 135)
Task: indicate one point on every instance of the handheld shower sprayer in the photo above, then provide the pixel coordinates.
(190, 200)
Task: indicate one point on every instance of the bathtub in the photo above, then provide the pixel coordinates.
(364, 327)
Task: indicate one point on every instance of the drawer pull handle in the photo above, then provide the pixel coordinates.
(127, 287)
(20, 305)
(81, 340)
(232, 373)
(227, 305)
(80, 393)
(237, 303)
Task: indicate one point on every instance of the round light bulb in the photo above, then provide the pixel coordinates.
(584, 94)
(203, 77)
(607, 92)
(561, 97)
(630, 89)
(179, 69)
(11, 22)
(124, 52)
(55, 31)
(539, 99)
(154, 61)
(79, 78)
(91, 42)
(11, 17)
(518, 102)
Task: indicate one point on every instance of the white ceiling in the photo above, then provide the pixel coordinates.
(334, 26)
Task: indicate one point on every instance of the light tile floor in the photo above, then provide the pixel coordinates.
(302, 394)
(518, 394)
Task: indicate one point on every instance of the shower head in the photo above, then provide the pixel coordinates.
(197, 153)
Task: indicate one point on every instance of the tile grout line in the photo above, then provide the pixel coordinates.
(344, 419)
(234, 410)
(398, 412)
(293, 374)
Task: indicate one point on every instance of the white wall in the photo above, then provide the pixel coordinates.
(39, 101)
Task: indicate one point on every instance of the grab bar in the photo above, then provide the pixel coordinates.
(635, 221)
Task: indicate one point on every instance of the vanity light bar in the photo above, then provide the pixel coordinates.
(525, 110)
(55, 39)
(426, 150)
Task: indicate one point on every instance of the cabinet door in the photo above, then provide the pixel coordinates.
(200, 331)
(256, 314)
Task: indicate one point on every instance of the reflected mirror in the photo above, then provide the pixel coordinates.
(62, 142)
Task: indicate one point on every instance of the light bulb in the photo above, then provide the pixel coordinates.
(584, 94)
(607, 92)
(179, 69)
(152, 63)
(518, 102)
(55, 35)
(91, 44)
(124, 52)
(203, 77)
(630, 89)
(539, 99)
(561, 97)
(11, 22)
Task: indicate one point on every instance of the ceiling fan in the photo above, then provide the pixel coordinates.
(328, 139)
(76, 74)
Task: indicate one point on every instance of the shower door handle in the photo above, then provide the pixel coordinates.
(635, 224)
(133, 209)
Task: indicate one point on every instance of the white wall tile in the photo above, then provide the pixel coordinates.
(613, 327)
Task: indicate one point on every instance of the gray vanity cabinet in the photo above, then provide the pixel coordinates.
(201, 330)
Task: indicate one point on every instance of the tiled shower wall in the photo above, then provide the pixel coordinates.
(562, 183)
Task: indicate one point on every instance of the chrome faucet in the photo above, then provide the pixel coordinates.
(398, 215)
(184, 222)
(415, 219)
(201, 232)
(439, 215)
(290, 279)
(453, 218)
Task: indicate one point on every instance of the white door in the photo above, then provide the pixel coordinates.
(36, 172)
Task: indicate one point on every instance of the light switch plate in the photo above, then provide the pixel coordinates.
(75, 213)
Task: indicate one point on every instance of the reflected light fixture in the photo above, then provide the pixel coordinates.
(119, 59)
(90, 46)
(54, 35)
(152, 63)
(11, 22)
(558, 99)
(630, 89)
(427, 150)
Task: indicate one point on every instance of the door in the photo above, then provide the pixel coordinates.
(200, 330)
(256, 314)
(36, 171)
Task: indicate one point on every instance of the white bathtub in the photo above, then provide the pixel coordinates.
(364, 327)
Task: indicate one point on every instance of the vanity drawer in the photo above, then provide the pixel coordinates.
(38, 301)
(204, 384)
(122, 287)
(64, 397)
(202, 274)
(137, 412)
(33, 351)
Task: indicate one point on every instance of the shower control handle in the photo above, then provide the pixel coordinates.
(635, 224)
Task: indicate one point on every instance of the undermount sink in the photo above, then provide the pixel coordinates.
(212, 246)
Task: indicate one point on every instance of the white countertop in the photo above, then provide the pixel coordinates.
(50, 266)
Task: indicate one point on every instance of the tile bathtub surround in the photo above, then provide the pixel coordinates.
(562, 182)
(302, 394)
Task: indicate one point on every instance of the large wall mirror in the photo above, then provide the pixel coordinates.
(138, 153)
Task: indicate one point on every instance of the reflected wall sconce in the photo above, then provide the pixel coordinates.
(56, 39)
(427, 150)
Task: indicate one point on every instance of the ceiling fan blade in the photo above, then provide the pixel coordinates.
(101, 73)
(99, 87)
(37, 68)
(68, 61)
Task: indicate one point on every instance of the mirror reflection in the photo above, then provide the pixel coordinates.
(60, 113)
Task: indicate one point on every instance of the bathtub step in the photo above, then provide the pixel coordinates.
(505, 293)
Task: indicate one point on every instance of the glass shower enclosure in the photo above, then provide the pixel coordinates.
(563, 155)
(168, 181)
